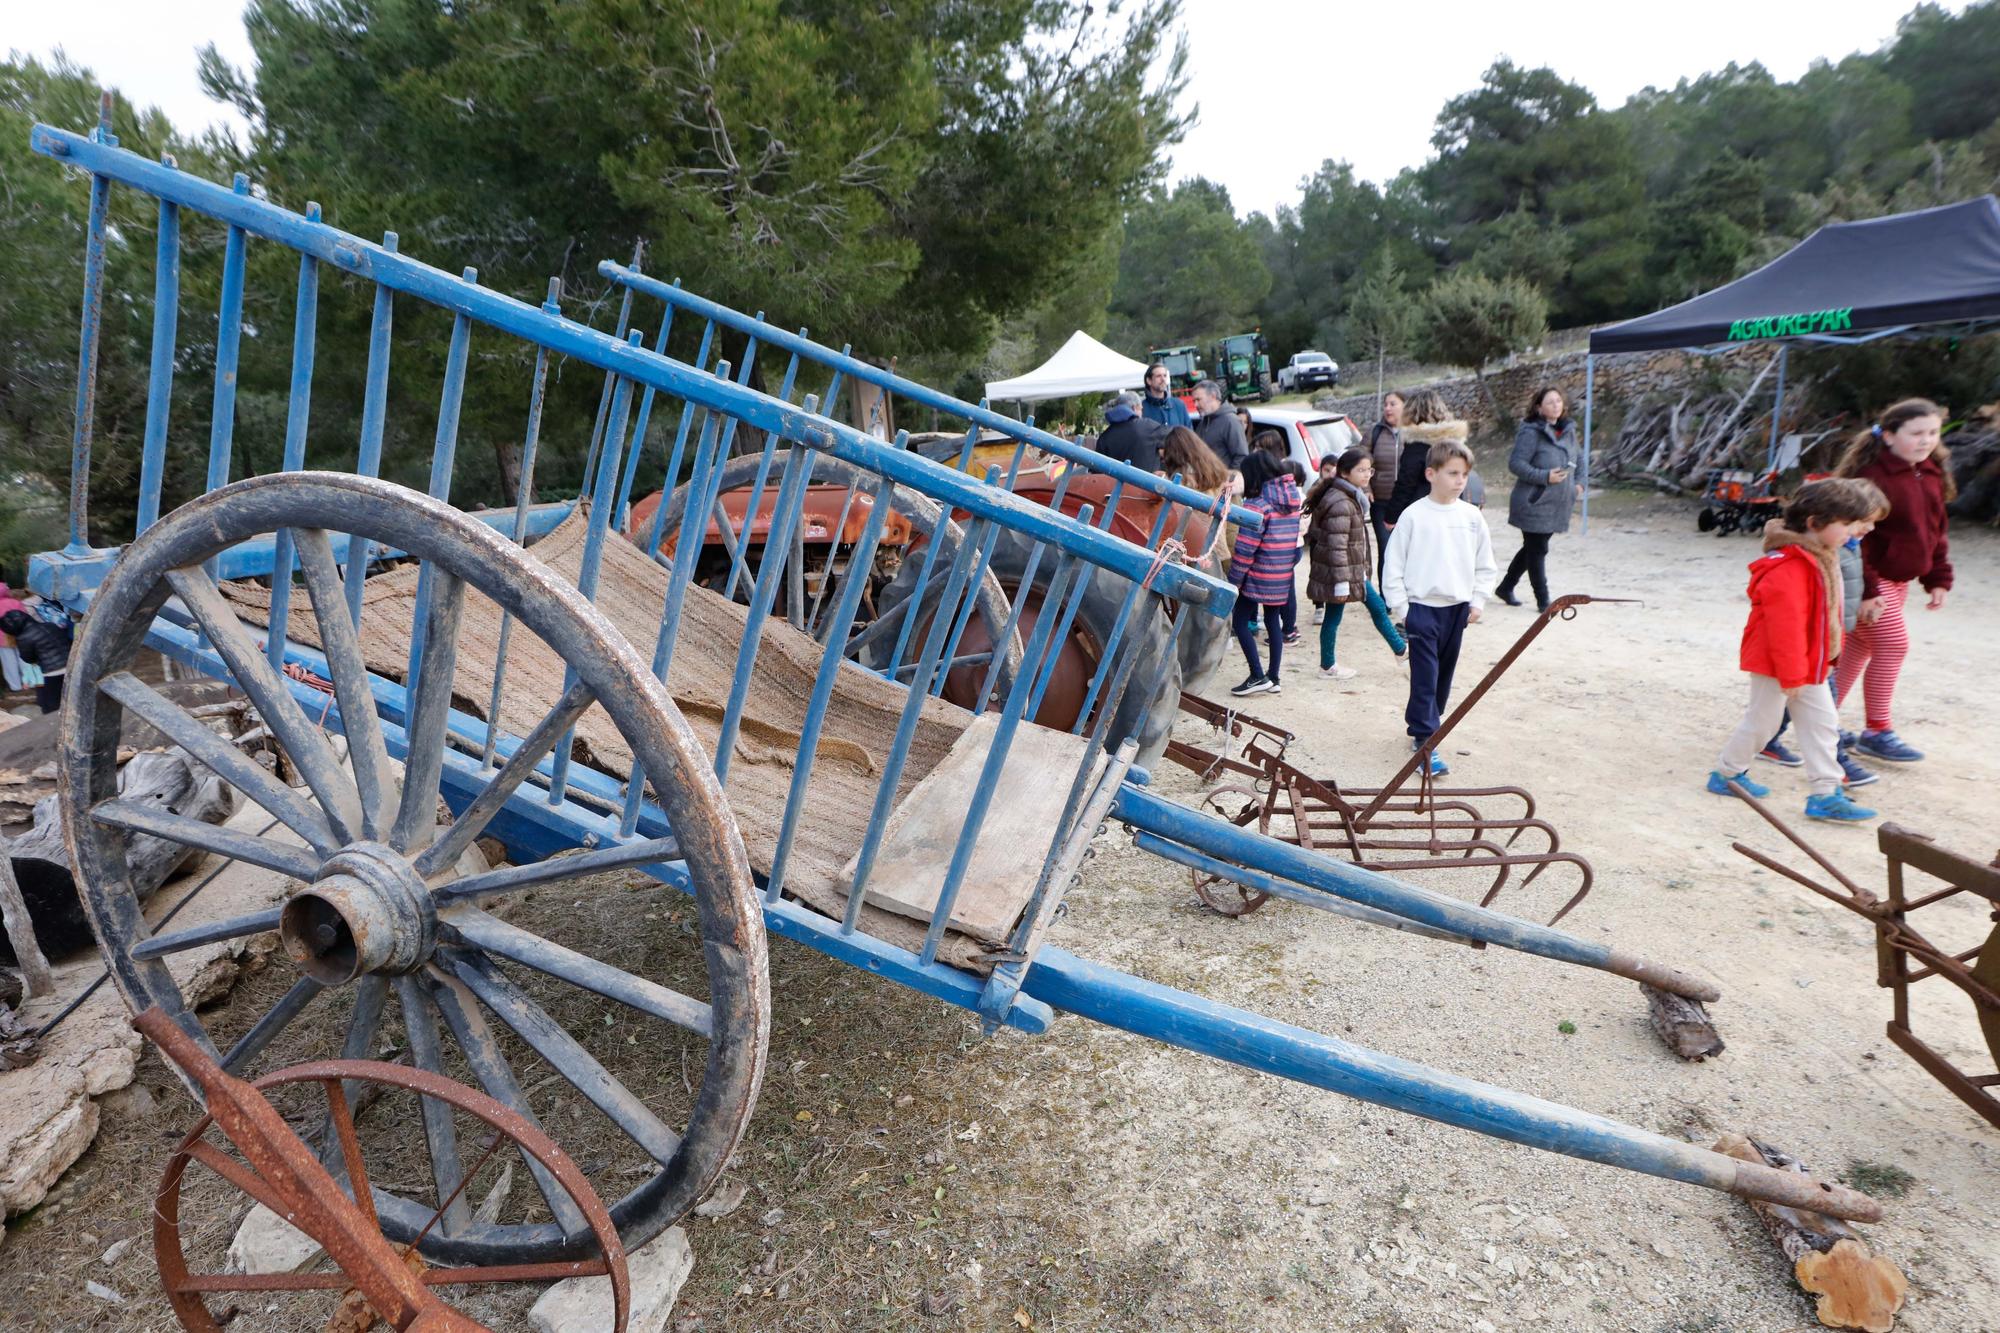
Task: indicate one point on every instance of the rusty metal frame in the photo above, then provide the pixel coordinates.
(287, 1177)
(1904, 956)
(1325, 817)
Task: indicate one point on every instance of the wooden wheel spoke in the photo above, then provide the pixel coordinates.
(230, 928)
(302, 738)
(222, 758)
(274, 1021)
(445, 852)
(533, 1025)
(139, 818)
(546, 956)
(510, 879)
(482, 1051)
(420, 1022)
(429, 714)
(367, 752)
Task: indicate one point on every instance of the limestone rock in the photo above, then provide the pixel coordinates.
(39, 1149)
(267, 1243)
(583, 1304)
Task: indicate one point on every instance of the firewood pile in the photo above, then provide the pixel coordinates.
(1975, 465)
(1674, 439)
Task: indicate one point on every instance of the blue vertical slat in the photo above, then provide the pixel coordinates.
(524, 488)
(859, 559)
(305, 331)
(680, 444)
(444, 453)
(374, 414)
(604, 396)
(996, 758)
(160, 383)
(777, 553)
(87, 341)
(228, 337)
(593, 546)
(639, 424)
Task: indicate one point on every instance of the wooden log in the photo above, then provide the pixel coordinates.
(1856, 1288)
(170, 779)
(19, 923)
(1682, 1024)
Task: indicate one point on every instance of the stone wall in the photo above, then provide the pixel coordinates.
(1620, 380)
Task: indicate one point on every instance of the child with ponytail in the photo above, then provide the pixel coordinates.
(1905, 456)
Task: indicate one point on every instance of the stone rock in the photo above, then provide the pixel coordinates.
(38, 1148)
(118, 1248)
(103, 1293)
(267, 1243)
(726, 1199)
(583, 1304)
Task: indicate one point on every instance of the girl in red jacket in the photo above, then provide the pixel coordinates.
(1904, 455)
(1792, 638)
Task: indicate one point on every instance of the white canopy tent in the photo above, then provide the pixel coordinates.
(1083, 365)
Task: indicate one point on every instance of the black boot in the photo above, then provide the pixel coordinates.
(1505, 592)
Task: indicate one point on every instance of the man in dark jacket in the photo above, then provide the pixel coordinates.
(1385, 448)
(1129, 437)
(41, 645)
(1218, 427)
(1161, 403)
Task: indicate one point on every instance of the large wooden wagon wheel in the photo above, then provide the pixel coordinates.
(377, 908)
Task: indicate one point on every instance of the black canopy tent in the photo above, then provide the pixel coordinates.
(1847, 283)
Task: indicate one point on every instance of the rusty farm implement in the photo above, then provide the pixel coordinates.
(789, 748)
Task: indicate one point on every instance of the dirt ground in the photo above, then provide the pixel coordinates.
(903, 1174)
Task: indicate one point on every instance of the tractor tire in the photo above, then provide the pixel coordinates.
(1145, 714)
(1705, 520)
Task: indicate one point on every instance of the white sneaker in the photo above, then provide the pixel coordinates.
(1403, 658)
(1319, 615)
(1338, 672)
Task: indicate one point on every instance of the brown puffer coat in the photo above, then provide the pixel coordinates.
(1337, 544)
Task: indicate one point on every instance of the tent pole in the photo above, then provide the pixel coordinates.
(1777, 409)
(1583, 481)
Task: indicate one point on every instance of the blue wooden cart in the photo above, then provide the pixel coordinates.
(784, 753)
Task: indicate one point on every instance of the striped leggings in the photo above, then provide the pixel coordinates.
(1878, 649)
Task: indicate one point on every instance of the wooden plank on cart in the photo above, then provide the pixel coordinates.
(1007, 858)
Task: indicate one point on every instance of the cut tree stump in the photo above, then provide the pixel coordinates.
(1856, 1288)
(169, 779)
(1682, 1024)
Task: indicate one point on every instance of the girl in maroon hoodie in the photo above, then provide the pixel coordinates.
(1902, 454)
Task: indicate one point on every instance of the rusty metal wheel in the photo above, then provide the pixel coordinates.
(278, 1170)
(1240, 806)
(378, 907)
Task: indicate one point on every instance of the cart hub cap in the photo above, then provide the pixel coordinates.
(367, 912)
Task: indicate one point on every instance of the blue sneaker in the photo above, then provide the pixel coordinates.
(1781, 754)
(1719, 784)
(1886, 746)
(1857, 776)
(1438, 766)
(1837, 808)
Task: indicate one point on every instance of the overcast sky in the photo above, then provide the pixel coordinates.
(1281, 84)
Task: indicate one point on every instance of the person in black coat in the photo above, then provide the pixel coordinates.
(45, 646)
(1130, 437)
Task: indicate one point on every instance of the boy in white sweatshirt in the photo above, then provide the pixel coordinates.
(1436, 576)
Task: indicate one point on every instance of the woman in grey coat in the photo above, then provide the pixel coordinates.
(1544, 468)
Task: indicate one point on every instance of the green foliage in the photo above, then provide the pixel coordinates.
(1469, 319)
(1188, 271)
(1885, 1180)
(1381, 315)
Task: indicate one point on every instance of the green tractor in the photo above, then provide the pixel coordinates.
(1243, 367)
(1183, 366)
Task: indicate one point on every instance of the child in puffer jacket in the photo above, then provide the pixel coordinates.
(1777, 752)
(1261, 566)
(1789, 644)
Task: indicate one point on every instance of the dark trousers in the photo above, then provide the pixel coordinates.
(1434, 634)
(1532, 559)
(48, 694)
(1243, 619)
(1381, 539)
